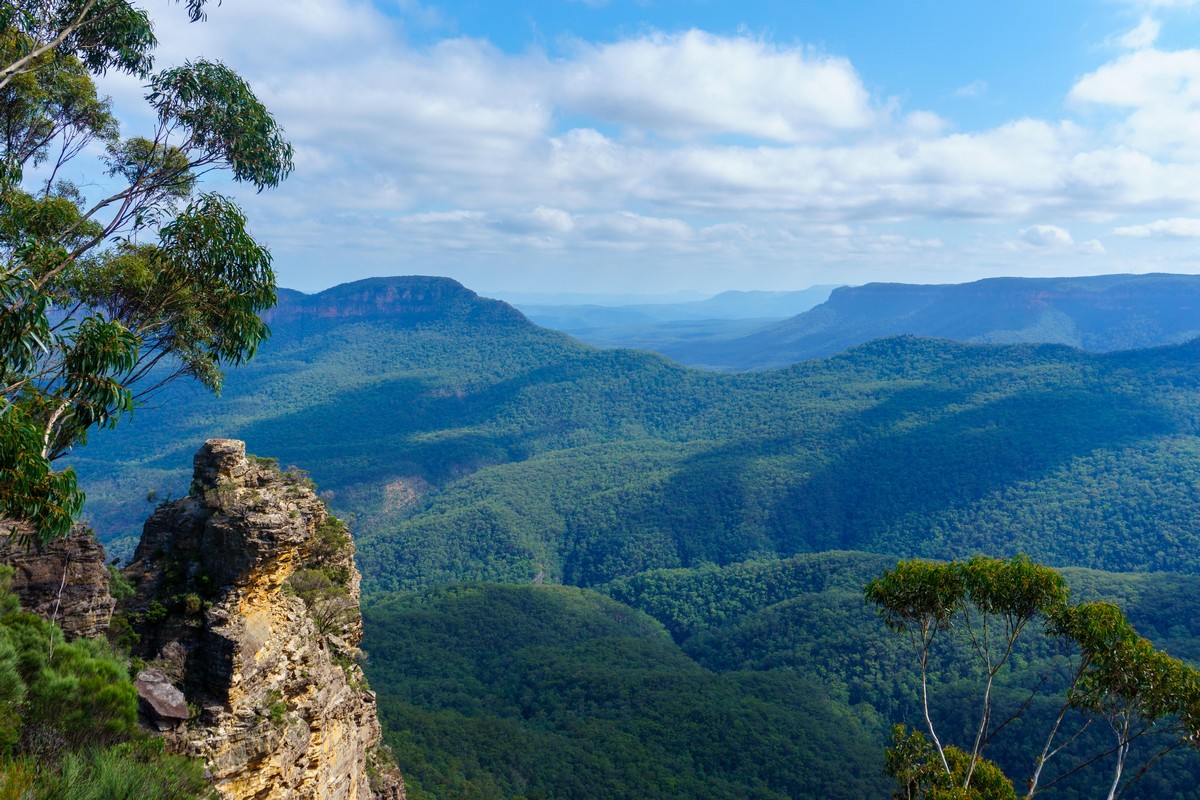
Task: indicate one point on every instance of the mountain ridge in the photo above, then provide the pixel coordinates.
(405, 297)
(1097, 313)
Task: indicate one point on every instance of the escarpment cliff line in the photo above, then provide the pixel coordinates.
(247, 609)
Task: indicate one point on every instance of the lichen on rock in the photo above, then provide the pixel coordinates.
(280, 708)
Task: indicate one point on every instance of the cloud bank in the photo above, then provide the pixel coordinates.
(724, 158)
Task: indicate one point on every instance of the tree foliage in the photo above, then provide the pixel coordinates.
(1113, 675)
(105, 301)
(490, 691)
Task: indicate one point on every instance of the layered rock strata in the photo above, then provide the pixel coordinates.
(247, 603)
(64, 580)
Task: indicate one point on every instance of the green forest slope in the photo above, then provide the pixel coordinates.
(474, 445)
(765, 679)
(538, 691)
(710, 638)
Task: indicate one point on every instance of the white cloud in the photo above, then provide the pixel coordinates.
(697, 82)
(1047, 236)
(1144, 78)
(1143, 36)
(924, 124)
(1158, 91)
(975, 88)
(731, 149)
(1188, 227)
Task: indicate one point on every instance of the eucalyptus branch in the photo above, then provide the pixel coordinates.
(50, 425)
(1145, 767)
(17, 67)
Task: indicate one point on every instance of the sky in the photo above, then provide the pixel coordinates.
(654, 146)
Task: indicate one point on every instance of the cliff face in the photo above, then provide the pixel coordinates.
(64, 580)
(247, 605)
(411, 299)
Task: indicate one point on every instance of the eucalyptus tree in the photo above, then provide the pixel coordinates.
(103, 301)
(1113, 677)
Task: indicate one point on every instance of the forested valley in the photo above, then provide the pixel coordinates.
(597, 568)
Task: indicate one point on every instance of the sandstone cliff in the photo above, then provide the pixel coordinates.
(247, 608)
(64, 580)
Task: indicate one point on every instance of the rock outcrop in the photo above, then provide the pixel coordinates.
(247, 603)
(64, 580)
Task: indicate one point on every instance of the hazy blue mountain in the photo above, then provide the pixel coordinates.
(596, 298)
(662, 326)
(726, 305)
(1099, 314)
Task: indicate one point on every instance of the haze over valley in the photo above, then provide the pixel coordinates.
(599, 399)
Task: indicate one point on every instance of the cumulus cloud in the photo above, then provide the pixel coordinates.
(730, 148)
(1144, 35)
(698, 82)
(1159, 91)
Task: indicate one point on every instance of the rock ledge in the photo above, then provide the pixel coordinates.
(268, 662)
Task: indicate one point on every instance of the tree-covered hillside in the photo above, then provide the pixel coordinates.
(473, 445)
(697, 648)
(762, 679)
(538, 692)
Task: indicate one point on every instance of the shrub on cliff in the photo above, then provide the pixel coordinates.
(68, 720)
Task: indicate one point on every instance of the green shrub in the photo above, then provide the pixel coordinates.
(118, 586)
(68, 719)
(156, 612)
(330, 540)
(126, 772)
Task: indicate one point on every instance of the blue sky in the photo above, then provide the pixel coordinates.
(669, 145)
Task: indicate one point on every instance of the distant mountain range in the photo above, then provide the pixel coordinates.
(466, 438)
(726, 305)
(657, 326)
(1099, 314)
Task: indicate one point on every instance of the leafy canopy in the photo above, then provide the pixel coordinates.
(104, 302)
(1148, 701)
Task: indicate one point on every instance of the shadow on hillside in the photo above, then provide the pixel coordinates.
(395, 427)
(920, 452)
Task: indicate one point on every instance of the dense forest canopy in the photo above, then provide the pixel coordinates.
(496, 450)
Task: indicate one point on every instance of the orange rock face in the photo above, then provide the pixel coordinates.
(281, 710)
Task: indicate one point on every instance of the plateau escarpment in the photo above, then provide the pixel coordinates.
(411, 299)
(247, 612)
(1101, 313)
